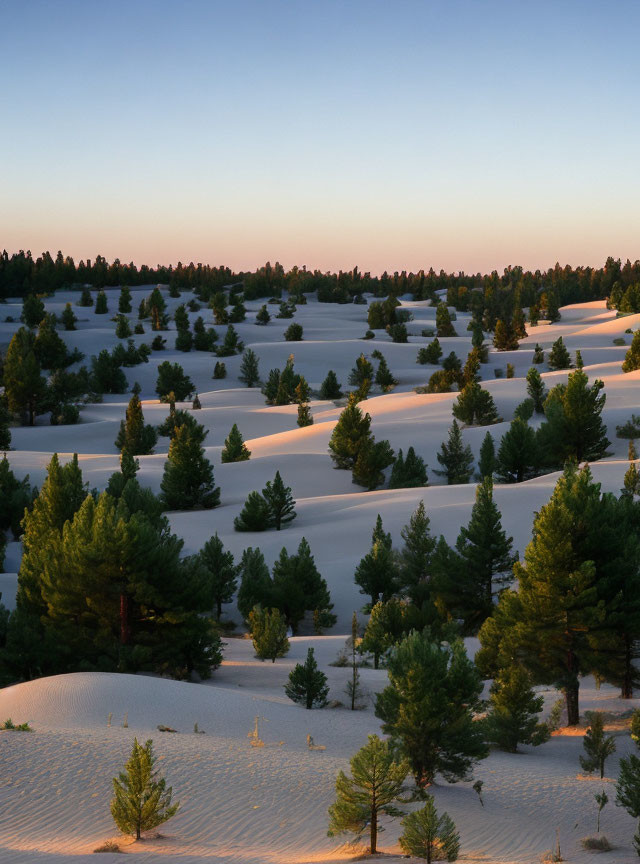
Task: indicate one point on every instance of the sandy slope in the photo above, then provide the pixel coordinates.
(268, 805)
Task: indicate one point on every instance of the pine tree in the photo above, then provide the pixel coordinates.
(428, 708)
(172, 379)
(123, 331)
(373, 457)
(538, 355)
(487, 461)
(302, 391)
(559, 357)
(255, 515)
(188, 475)
(431, 353)
(263, 316)
(632, 357)
(518, 453)
(184, 341)
(485, 561)
(298, 588)
(24, 386)
(455, 458)
(377, 574)
(504, 336)
(5, 432)
(597, 746)
(330, 387)
(415, 558)
(221, 572)
(628, 792)
(32, 310)
(101, 303)
(408, 473)
(377, 782)
(68, 318)
(579, 360)
(632, 475)
(60, 496)
(353, 689)
(85, 297)
(514, 709)
(536, 389)
(255, 582)
(305, 418)
(430, 836)
(553, 619)
(574, 427)
(249, 371)
(384, 379)
(219, 371)
(475, 405)
(307, 684)
(293, 333)
(15, 496)
(384, 628)
(141, 799)
(124, 301)
(235, 450)
(444, 327)
(135, 436)
(361, 372)
(268, 633)
(231, 343)
(349, 435)
(280, 501)
(129, 467)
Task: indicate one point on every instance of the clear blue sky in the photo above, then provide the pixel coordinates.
(392, 135)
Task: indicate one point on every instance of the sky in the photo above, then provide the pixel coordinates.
(398, 135)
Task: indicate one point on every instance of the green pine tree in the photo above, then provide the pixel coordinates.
(32, 310)
(597, 746)
(428, 708)
(280, 502)
(628, 792)
(538, 355)
(263, 316)
(307, 684)
(68, 318)
(85, 297)
(518, 453)
(487, 462)
(408, 473)
(559, 357)
(141, 799)
(135, 436)
(255, 582)
(384, 379)
(536, 389)
(377, 573)
(221, 572)
(349, 434)
(430, 354)
(632, 357)
(376, 783)
(255, 515)
(475, 405)
(298, 588)
(416, 558)
(444, 327)
(514, 710)
(249, 369)
(187, 481)
(455, 458)
(330, 387)
(124, 301)
(504, 336)
(235, 450)
(24, 386)
(430, 836)
(101, 303)
(305, 417)
(268, 633)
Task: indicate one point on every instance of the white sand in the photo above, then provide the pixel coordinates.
(241, 804)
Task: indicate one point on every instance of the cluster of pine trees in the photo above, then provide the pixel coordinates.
(102, 584)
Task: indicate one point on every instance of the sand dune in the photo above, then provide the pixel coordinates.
(253, 806)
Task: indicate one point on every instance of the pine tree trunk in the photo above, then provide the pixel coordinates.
(219, 608)
(374, 830)
(124, 619)
(571, 700)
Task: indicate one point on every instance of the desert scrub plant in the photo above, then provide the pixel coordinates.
(9, 725)
(108, 846)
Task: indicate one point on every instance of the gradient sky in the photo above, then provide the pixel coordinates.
(393, 135)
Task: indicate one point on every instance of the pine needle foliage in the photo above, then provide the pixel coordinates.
(376, 783)
(307, 685)
(429, 835)
(142, 800)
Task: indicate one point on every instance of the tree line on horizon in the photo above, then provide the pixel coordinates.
(21, 273)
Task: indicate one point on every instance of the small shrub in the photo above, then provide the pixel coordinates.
(108, 846)
(510, 370)
(628, 330)
(555, 715)
(219, 371)
(428, 333)
(158, 343)
(369, 335)
(596, 844)
(497, 373)
(293, 333)
(16, 727)
(138, 329)
(619, 341)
